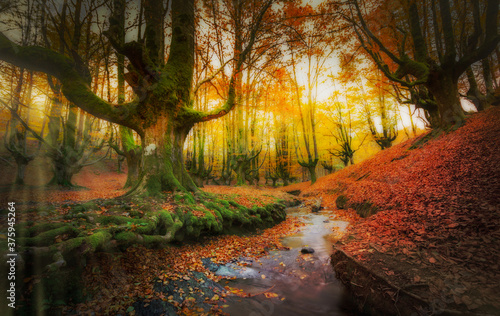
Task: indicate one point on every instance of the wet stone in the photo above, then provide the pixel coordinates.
(209, 264)
(307, 250)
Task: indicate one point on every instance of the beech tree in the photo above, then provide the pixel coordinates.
(162, 112)
(428, 43)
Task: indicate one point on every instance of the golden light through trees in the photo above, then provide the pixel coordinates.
(255, 98)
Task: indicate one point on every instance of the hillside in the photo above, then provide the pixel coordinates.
(437, 230)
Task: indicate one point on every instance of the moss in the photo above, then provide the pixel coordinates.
(118, 220)
(166, 218)
(90, 206)
(154, 241)
(59, 288)
(126, 237)
(153, 185)
(48, 238)
(233, 203)
(185, 198)
(42, 227)
(147, 226)
(88, 244)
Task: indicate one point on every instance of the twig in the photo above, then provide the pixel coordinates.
(269, 289)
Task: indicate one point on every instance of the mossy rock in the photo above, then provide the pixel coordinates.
(84, 207)
(342, 202)
(365, 209)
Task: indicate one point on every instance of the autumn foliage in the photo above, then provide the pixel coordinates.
(438, 200)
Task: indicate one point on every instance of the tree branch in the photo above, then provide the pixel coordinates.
(195, 116)
(74, 85)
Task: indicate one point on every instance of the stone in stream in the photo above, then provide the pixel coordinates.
(307, 250)
(317, 205)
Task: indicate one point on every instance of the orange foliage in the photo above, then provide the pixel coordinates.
(439, 206)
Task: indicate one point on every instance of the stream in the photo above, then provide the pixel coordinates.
(305, 284)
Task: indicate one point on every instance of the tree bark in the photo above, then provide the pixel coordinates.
(444, 88)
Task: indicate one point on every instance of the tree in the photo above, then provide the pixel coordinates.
(162, 112)
(129, 149)
(439, 51)
(386, 133)
(343, 132)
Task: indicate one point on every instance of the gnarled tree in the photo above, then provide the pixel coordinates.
(162, 112)
(417, 42)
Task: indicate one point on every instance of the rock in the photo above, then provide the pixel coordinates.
(326, 221)
(294, 192)
(209, 264)
(342, 202)
(307, 250)
(317, 205)
(153, 308)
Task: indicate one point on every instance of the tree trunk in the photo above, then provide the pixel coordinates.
(239, 167)
(133, 167)
(132, 154)
(312, 172)
(163, 162)
(20, 173)
(445, 90)
(63, 173)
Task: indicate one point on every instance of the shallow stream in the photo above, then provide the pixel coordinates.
(305, 284)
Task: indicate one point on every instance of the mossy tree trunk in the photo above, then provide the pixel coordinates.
(133, 155)
(70, 156)
(131, 151)
(444, 88)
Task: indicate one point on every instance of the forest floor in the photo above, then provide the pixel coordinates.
(436, 232)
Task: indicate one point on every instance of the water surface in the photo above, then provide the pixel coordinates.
(305, 283)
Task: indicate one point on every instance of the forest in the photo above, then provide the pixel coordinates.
(250, 157)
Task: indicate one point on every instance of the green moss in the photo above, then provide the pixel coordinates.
(233, 203)
(88, 244)
(189, 198)
(126, 238)
(153, 185)
(48, 238)
(42, 227)
(166, 218)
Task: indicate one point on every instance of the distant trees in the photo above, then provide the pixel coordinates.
(308, 41)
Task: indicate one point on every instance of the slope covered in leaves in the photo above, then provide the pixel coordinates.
(438, 225)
